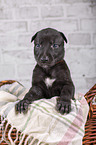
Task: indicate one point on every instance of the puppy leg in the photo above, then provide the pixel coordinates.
(35, 93)
(64, 102)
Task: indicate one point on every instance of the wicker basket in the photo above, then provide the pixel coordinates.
(90, 126)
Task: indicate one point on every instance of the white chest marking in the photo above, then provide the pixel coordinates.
(49, 82)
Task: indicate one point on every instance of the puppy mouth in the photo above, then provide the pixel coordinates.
(45, 64)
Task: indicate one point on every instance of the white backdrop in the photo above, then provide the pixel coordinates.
(20, 19)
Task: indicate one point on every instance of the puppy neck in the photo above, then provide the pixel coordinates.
(60, 61)
(48, 69)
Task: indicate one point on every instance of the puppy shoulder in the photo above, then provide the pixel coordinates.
(38, 74)
(62, 71)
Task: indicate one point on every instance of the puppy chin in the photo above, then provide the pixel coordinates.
(45, 65)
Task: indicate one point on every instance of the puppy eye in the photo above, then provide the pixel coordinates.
(55, 46)
(37, 45)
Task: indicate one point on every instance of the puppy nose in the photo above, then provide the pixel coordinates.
(44, 59)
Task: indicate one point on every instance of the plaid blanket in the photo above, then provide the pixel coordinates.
(42, 125)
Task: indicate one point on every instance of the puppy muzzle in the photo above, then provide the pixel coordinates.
(44, 59)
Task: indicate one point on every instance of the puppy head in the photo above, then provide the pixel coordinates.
(48, 47)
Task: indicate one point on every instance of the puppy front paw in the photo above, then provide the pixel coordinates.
(22, 106)
(63, 106)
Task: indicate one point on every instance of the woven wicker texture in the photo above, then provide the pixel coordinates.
(90, 127)
(13, 135)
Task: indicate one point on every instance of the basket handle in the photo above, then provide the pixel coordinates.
(6, 82)
(89, 97)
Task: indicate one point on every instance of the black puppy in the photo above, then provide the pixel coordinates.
(51, 76)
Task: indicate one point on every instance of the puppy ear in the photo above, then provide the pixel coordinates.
(63, 37)
(33, 37)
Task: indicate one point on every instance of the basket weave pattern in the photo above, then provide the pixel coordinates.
(90, 126)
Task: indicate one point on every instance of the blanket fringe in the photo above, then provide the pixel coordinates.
(12, 136)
